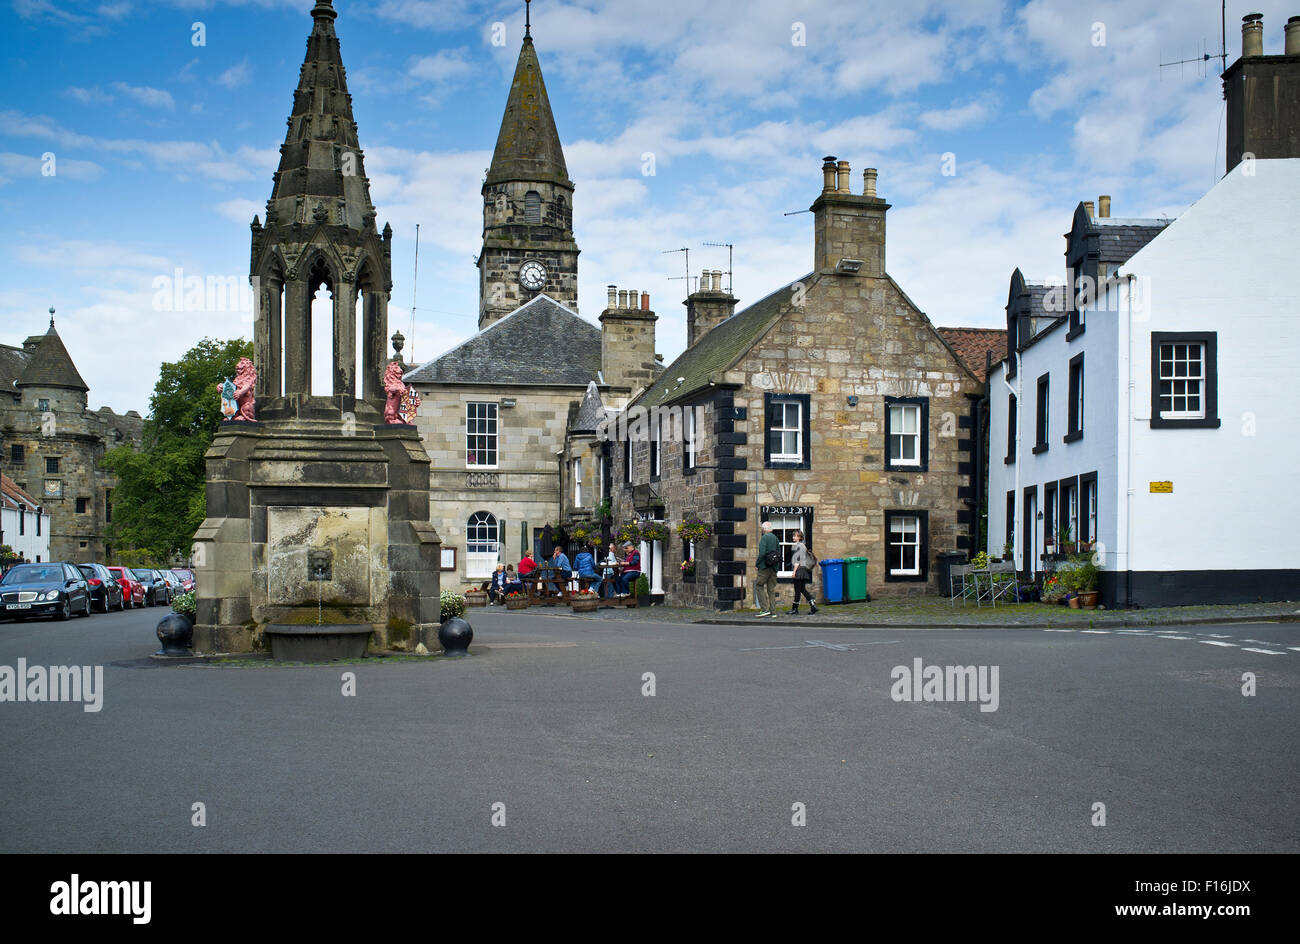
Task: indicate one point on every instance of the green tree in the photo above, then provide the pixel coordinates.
(160, 500)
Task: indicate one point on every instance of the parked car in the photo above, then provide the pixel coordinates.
(132, 589)
(105, 591)
(174, 584)
(156, 589)
(187, 577)
(48, 589)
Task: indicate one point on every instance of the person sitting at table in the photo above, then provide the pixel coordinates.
(513, 583)
(527, 565)
(497, 586)
(610, 582)
(631, 571)
(560, 564)
(585, 564)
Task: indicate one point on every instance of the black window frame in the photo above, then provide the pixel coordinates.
(1049, 514)
(1063, 487)
(17, 453)
(1012, 420)
(1088, 478)
(656, 452)
(1042, 413)
(806, 514)
(81, 506)
(1210, 339)
(923, 545)
(55, 460)
(1074, 409)
(690, 440)
(924, 455)
(627, 459)
(1010, 528)
(769, 401)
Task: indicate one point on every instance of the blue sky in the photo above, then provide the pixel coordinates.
(164, 150)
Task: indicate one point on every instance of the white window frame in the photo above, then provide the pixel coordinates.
(895, 433)
(782, 428)
(577, 483)
(481, 555)
(657, 452)
(1091, 493)
(782, 527)
(600, 475)
(1172, 378)
(1072, 510)
(915, 544)
(690, 437)
(494, 436)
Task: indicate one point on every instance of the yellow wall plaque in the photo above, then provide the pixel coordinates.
(1166, 487)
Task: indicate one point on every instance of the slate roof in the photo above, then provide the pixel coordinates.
(1120, 238)
(539, 343)
(590, 412)
(720, 349)
(51, 365)
(13, 361)
(528, 145)
(971, 344)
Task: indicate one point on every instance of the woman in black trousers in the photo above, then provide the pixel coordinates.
(802, 561)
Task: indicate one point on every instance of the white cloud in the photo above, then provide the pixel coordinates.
(240, 210)
(236, 75)
(150, 97)
(14, 166)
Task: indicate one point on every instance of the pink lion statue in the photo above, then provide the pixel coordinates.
(394, 389)
(237, 401)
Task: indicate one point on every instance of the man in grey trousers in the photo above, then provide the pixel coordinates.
(765, 577)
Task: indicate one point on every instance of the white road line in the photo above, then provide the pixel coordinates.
(1294, 648)
(1215, 642)
(1267, 652)
(1184, 638)
(1071, 630)
(1217, 635)
(1100, 632)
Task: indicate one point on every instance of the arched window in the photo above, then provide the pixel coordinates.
(532, 207)
(482, 535)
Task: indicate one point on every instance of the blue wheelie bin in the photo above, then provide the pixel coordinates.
(833, 579)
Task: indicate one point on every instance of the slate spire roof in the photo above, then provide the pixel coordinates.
(590, 413)
(528, 145)
(321, 165)
(51, 365)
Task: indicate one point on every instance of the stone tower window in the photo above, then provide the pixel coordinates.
(51, 465)
(532, 207)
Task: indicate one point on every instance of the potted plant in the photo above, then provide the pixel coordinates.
(476, 597)
(688, 567)
(1085, 583)
(584, 601)
(1054, 590)
(654, 531)
(516, 601)
(452, 605)
(695, 529)
(184, 604)
(980, 561)
(643, 590)
(630, 533)
(603, 510)
(580, 533)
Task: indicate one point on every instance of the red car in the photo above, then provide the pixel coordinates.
(186, 577)
(132, 589)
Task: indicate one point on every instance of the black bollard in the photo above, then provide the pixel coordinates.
(455, 636)
(175, 633)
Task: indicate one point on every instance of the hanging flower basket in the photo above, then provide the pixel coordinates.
(695, 529)
(654, 531)
(688, 568)
(630, 533)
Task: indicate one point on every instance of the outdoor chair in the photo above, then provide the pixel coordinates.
(961, 583)
(1004, 583)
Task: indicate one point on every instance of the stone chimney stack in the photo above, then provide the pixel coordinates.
(848, 229)
(1091, 208)
(627, 340)
(1103, 206)
(708, 307)
(1263, 96)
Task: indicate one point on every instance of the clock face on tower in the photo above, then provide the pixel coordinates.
(532, 275)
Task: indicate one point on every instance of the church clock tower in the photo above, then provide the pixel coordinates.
(528, 244)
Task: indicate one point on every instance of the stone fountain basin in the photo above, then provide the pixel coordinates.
(318, 642)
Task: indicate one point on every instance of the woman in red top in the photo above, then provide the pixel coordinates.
(527, 565)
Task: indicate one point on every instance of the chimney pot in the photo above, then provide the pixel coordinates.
(1087, 205)
(1292, 28)
(869, 182)
(828, 174)
(645, 301)
(622, 298)
(613, 297)
(633, 298)
(1103, 205)
(843, 173)
(717, 280)
(1252, 35)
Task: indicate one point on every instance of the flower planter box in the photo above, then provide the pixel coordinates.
(516, 603)
(585, 604)
(1088, 599)
(476, 598)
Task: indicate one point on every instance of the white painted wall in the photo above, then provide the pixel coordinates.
(30, 545)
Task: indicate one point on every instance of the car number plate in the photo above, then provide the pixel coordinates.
(18, 606)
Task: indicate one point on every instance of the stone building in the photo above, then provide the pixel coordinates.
(52, 444)
(832, 405)
(495, 410)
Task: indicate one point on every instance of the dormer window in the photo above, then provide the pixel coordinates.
(532, 207)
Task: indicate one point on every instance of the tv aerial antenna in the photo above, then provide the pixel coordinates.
(729, 247)
(1206, 55)
(677, 278)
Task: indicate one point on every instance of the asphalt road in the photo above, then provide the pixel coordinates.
(549, 719)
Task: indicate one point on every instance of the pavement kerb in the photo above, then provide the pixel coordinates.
(1199, 621)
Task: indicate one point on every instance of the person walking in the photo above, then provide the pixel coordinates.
(803, 561)
(769, 559)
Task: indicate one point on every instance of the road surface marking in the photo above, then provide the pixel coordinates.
(1185, 638)
(1267, 652)
(1058, 630)
(1101, 632)
(1215, 642)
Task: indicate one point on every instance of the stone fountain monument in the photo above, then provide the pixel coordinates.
(318, 505)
